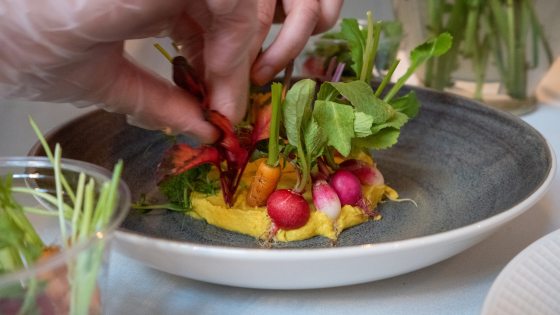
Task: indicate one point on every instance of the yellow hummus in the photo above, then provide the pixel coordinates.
(255, 221)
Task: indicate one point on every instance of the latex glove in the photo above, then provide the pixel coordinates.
(70, 50)
(301, 19)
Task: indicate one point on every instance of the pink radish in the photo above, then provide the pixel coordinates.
(347, 187)
(367, 174)
(325, 199)
(287, 209)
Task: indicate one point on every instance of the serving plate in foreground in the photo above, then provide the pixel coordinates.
(470, 169)
(530, 283)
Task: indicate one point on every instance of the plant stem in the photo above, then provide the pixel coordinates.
(387, 77)
(273, 149)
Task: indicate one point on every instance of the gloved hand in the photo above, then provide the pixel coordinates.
(72, 51)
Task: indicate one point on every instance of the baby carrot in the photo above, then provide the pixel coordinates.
(268, 172)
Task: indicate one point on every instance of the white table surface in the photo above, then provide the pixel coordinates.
(455, 286)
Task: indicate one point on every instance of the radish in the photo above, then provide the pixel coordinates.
(347, 187)
(287, 209)
(367, 174)
(325, 199)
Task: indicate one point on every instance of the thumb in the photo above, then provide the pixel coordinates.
(154, 103)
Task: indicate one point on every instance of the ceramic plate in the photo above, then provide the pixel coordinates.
(530, 283)
(470, 169)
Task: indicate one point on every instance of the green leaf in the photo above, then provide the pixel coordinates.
(314, 138)
(381, 140)
(407, 104)
(362, 97)
(297, 109)
(337, 120)
(362, 124)
(327, 92)
(434, 47)
(356, 38)
(396, 122)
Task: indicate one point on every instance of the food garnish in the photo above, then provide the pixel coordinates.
(321, 134)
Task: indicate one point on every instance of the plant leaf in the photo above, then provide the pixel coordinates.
(362, 97)
(314, 138)
(337, 120)
(362, 124)
(434, 47)
(407, 104)
(356, 38)
(297, 108)
(396, 122)
(381, 140)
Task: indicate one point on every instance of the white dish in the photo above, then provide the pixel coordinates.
(530, 283)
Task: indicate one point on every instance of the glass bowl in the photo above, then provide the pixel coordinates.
(67, 279)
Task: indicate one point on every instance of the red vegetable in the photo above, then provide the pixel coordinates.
(230, 154)
(367, 174)
(347, 187)
(325, 199)
(287, 209)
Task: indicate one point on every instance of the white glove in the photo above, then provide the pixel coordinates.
(72, 51)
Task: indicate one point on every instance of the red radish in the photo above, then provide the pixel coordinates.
(367, 174)
(287, 209)
(325, 199)
(347, 187)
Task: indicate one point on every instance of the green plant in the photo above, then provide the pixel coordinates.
(497, 30)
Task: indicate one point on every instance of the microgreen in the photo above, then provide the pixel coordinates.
(87, 211)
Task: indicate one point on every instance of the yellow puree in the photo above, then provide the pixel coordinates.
(255, 221)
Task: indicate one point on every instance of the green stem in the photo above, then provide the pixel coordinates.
(387, 77)
(273, 148)
(435, 18)
(372, 42)
(538, 32)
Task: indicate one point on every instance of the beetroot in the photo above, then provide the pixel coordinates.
(287, 209)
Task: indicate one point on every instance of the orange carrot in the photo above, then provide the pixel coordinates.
(263, 184)
(268, 173)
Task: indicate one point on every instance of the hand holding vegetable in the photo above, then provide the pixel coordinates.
(69, 51)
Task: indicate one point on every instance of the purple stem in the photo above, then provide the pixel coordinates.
(338, 72)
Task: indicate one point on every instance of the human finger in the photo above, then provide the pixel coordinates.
(301, 20)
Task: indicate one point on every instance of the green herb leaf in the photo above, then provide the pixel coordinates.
(380, 140)
(297, 109)
(314, 138)
(362, 97)
(407, 104)
(396, 122)
(337, 120)
(434, 47)
(362, 124)
(178, 188)
(356, 38)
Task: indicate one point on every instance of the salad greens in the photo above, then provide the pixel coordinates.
(348, 117)
(178, 188)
